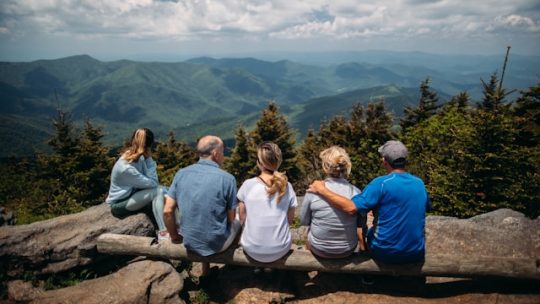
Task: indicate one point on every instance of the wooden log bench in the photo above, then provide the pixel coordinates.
(439, 265)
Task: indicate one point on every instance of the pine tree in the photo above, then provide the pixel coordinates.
(172, 155)
(272, 126)
(90, 180)
(439, 154)
(309, 161)
(496, 174)
(527, 122)
(427, 106)
(242, 161)
(461, 101)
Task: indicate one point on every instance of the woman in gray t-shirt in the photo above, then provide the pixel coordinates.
(332, 233)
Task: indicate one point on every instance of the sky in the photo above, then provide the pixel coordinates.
(131, 29)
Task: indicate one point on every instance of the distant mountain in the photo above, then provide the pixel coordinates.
(311, 113)
(201, 95)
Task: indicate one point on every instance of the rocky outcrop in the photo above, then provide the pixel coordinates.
(140, 282)
(65, 242)
(501, 233)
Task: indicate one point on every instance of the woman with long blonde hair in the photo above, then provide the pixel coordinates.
(332, 233)
(134, 180)
(266, 204)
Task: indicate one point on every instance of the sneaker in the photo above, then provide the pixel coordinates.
(163, 235)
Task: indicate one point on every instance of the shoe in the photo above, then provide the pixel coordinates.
(257, 270)
(163, 235)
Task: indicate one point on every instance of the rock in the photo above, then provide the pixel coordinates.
(503, 232)
(140, 282)
(64, 242)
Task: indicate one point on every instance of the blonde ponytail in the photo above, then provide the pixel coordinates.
(279, 185)
(269, 157)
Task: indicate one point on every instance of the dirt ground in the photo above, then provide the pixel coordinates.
(236, 284)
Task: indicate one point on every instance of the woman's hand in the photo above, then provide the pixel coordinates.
(317, 187)
(147, 153)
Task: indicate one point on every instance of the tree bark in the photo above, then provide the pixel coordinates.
(441, 265)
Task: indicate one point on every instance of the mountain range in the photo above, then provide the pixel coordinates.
(207, 95)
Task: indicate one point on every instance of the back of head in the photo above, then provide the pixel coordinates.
(269, 157)
(336, 162)
(142, 139)
(207, 144)
(395, 153)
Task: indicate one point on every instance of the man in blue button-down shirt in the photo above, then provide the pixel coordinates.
(206, 198)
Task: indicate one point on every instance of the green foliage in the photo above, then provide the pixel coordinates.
(439, 154)
(360, 135)
(241, 161)
(480, 159)
(171, 156)
(427, 106)
(271, 126)
(75, 176)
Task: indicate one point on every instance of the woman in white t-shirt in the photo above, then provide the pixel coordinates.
(266, 205)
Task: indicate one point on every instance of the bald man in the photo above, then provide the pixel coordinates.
(206, 198)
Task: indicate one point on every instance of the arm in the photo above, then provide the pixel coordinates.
(136, 179)
(231, 215)
(290, 215)
(242, 212)
(305, 212)
(338, 201)
(151, 169)
(170, 220)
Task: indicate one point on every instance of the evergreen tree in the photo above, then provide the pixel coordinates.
(439, 154)
(90, 181)
(527, 122)
(427, 106)
(172, 155)
(461, 101)
(497, 174)
(309, 161)
(241, 162)
(272, 126)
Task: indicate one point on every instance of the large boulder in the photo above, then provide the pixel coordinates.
(64, 242)
(500, 233)
(140, 282)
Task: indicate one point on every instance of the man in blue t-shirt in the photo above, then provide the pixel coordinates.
(206, 198)
(399, 201)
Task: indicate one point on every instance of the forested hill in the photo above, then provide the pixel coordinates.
(197, 96)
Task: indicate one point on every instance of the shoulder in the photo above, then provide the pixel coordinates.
(290, 187)
(226, 175)
(416, 178)
(249, 182)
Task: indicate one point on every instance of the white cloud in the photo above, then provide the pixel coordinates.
(336, 20)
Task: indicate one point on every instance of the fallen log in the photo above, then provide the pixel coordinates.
(440, 265)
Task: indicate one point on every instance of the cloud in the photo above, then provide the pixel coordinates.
(336, 20)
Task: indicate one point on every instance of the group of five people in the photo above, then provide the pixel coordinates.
(200, 206)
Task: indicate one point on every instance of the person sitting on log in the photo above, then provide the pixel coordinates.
(332, 232)
(266, 208)
(399, 201)
(134, 179)
(205, 196)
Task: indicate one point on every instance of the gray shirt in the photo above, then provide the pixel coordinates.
(204, 193)
(126, 178)
(331, 230)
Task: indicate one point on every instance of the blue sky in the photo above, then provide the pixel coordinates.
(116, 29)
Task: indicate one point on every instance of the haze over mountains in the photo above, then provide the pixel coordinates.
(206, 95)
